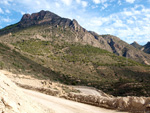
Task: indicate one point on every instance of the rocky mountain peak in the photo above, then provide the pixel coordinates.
(136, 45)
(47, 17)
(134, 42)
(44, 18)
(38, 18)
(75, 25)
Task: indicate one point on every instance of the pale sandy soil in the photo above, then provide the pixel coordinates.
(60, 105)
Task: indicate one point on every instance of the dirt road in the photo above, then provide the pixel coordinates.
(60, 105)
(90, 91)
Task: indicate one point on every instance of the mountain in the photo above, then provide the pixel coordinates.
(136, 45)
(54, 26)
(146, 48)
(48, 46)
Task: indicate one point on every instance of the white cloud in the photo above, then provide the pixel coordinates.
(38, 2)
(57, 5)
(22, 12)
(127, 13)
(99, 1)
(7, 11)
(130, 21)
(84, 4)
(67, 2)
(104, 6)
(6, 19)
(130, 1)
(1, 11)
(5, 2)
(119, 2)
(118, 23)
(96, 22)
(109, 30)
(32, 5)
(78, 1)
(103, 1)
(96, 1)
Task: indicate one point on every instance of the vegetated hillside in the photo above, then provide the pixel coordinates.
(69, 54)
(77, 64)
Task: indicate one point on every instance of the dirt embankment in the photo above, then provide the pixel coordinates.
(13, 100)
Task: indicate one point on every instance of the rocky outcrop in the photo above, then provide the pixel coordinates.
(13, 100)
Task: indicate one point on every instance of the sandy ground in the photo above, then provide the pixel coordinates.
(60, 105)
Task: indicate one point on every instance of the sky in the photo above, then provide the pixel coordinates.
(127, 19)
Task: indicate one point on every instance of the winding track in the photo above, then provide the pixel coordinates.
(60, 105)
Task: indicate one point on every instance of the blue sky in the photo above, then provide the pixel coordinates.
(127, 19)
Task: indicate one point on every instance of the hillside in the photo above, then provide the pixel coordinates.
(50, 47)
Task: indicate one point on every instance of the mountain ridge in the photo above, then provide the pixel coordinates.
(145, 48)
(79, 34)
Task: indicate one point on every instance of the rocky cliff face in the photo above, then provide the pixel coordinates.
(13, 100)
